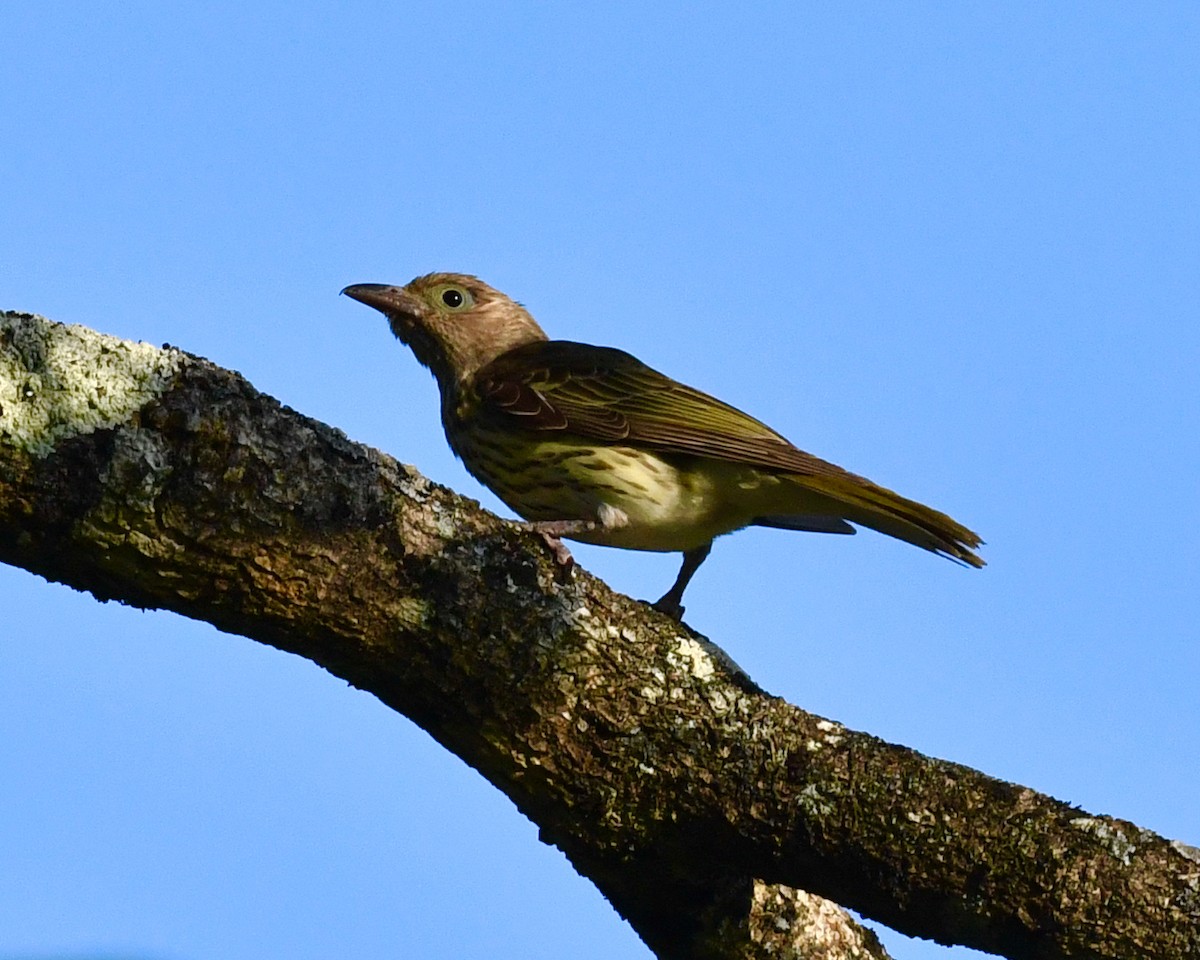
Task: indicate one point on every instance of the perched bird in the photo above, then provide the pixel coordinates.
(589, 443)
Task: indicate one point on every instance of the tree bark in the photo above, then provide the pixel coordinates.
(701, 806)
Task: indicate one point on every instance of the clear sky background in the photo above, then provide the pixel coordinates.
(952, 246)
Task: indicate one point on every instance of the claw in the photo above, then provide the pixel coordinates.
(562, 556)
(669, 605)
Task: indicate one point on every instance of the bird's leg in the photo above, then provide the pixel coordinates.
(551, 530)
(564, 528)
(670, 602)
(607, 518)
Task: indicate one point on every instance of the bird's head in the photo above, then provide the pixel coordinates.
(454, 323)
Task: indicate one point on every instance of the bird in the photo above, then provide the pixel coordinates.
(591, 444)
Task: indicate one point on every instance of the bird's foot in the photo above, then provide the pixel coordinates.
(671, 602)
(669, 605)
(562, 556)
(550, 531)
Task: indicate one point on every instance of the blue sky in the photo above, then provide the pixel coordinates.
(951, 246)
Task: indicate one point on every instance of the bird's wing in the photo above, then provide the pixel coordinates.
(607, 395)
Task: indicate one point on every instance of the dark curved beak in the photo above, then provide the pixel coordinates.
(384, 298)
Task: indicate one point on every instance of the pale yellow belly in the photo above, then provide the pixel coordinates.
(666, 504)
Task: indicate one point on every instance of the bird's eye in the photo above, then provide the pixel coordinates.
(452, 297)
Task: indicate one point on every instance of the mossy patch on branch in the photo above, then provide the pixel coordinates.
(59, 381)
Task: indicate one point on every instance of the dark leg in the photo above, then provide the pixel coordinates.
(671, 602)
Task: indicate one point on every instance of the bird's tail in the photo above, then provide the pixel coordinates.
(860, 501)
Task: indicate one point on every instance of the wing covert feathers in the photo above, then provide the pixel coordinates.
(609, 396)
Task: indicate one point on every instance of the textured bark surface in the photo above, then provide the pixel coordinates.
(700, 805)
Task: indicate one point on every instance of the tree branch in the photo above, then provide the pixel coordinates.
(695, 801)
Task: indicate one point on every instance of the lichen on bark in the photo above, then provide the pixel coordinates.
(700, 805)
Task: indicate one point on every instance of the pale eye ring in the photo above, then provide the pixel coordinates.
(452, 298)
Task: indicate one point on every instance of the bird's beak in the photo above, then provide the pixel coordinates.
(386, 299)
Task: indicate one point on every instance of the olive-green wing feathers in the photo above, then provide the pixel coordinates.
(609, 396)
